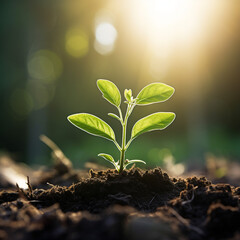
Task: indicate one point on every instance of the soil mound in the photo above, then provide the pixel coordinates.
(135, 204)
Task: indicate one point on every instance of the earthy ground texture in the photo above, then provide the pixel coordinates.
(135, 204)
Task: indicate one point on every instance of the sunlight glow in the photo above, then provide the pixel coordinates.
(172, 21)
(172, 30)
(14, 177)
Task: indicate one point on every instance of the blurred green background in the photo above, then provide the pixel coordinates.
(52, 53)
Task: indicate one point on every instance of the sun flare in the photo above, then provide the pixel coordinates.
(173, 22)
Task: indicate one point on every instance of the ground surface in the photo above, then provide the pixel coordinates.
(135, 204)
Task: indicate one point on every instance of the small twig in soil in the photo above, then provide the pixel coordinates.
(21, 192)
(132, 167)
(151, 200)
(50, 184)
(62, 163)
(189, 200)
(29, 186)
(121, 197)
(185, 222)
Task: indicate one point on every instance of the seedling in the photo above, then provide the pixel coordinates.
(152, 93)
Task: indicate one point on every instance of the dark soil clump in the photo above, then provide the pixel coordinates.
(134, 188)
(135, 204)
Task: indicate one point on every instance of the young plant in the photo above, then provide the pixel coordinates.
(152, 93)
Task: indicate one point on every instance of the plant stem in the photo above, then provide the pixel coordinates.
(124, 133)
(122, 154)
(129, 142)
(124, 128)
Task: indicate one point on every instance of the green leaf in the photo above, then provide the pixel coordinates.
(108, 158)
(114, 116)
(92, 125)
(110, 91)
(132, 162)
(128, 94)
(155, 121)
(153, 93)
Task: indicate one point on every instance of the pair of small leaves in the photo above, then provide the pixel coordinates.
(95, 126)
(110, 159)
(152, 93)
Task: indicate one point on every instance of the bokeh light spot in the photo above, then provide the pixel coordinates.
(41, 93)
(103, 49)
(45, 65)
(76, 43)
(106, 35)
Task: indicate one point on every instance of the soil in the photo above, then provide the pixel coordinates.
(135, 204)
